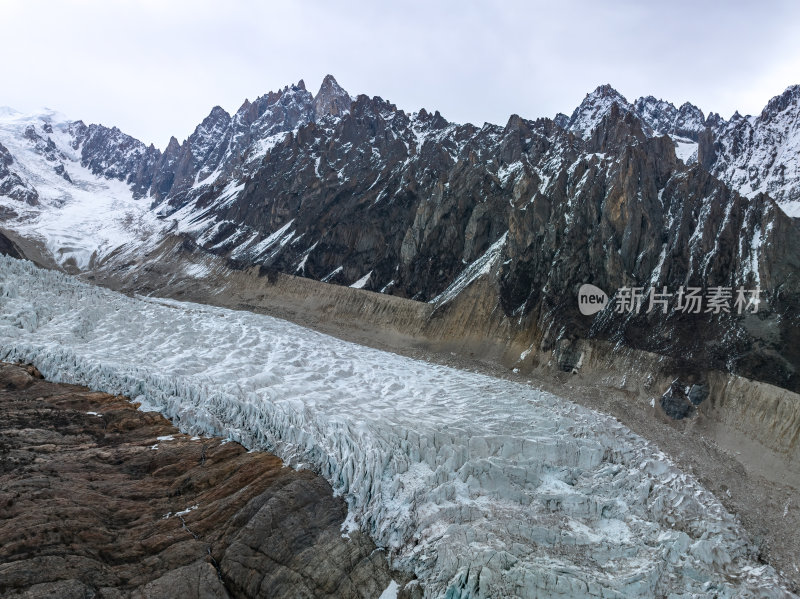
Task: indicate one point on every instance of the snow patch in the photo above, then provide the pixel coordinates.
(686, 150)
(332, 274)
(474, 271)
(362, 281)
(390, 592)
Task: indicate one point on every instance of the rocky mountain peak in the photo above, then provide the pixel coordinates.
(689, 122)
(244, 107)
(217, 114)
(607, 91)
(658, 114)
(686, 122)
(216, 121)
(562, 120)
(788, 102)
(594, 107)
(331, 99)
(433, 121)
(515, 123)
(714, 120)
(689, 108)
(616, 129)
(762, 154)
(208, 133)
(173, 146)
(690, 115)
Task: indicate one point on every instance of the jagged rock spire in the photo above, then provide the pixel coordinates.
(331, 99)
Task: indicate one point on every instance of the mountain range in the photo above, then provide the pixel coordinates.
(353, 191)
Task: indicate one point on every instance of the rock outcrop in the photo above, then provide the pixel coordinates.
(11, 184)
(98, 499)
(8, 247)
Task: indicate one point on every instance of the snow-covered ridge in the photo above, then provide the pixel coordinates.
(762, 154)
(79, 216)
(753, 154)
(485, 488)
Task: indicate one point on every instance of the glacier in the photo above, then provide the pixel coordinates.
(481, 487)
(80, 221)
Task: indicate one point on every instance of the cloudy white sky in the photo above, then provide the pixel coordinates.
(156, 67)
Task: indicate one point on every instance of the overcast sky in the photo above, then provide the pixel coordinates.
(155, 68)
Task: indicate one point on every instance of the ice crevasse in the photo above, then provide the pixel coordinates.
(481, 487)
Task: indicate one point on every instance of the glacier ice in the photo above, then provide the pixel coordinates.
(481, 487)
(80, 221)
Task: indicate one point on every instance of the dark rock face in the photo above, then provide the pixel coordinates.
(8, 248)
(115, 155)
(645, 220)
(364, 195)
(331, 99)
(675, 402)
(11, 184)
(680, 400)
(698, 394)
(94, 504)
(223, 147)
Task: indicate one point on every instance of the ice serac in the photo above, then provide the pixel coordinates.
(481, 487)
